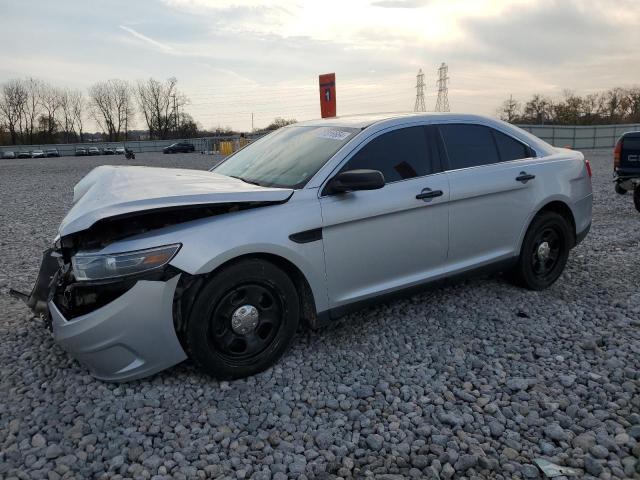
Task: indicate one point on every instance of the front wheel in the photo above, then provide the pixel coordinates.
(544, 251)
(636, 197)
(243, 319)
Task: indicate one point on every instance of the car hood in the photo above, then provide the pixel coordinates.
(110, 191)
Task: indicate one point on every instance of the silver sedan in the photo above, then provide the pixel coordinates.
(153, 265)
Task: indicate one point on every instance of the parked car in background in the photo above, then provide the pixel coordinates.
(108, 151)
(24, 154)
(119, 151)
(81, 152)
(181, 147)
(309, 222)
(38, 154)
(626, 166)
(8, 154)
(52, 152)
(93, 151)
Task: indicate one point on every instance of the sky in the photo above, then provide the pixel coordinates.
(237, 57)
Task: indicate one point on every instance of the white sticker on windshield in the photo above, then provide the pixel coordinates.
(333, 134)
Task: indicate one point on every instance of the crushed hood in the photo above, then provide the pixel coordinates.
(109, 191)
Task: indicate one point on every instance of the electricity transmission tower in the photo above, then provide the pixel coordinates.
(442, 103)
(419, 106)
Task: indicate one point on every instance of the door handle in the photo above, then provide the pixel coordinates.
(524, 177)
(428, 193)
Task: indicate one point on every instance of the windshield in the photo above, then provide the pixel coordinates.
(288, 157)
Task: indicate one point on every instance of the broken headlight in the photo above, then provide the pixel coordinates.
(92, 266)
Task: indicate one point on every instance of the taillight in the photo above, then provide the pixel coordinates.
(588, 165)
(616, 155)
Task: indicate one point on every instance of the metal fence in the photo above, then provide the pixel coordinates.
(581, 137)
(578, 137)
(204, 145)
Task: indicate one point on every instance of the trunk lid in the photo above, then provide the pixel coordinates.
(109, 191)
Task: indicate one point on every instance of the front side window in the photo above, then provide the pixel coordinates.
(399, 155)
(288, 157)
(469, 145)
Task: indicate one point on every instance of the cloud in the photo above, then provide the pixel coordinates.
(149, 41)
(400, 3)
(550, 32)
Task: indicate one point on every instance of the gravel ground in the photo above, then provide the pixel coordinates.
(471, 381)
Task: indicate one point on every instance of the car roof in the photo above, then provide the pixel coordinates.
(631, 134)
(366, 120)
(380, 121)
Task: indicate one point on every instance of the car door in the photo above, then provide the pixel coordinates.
(378, 241)
(492, 179)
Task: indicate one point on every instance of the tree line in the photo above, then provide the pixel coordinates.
(33, 111)
(617, 105)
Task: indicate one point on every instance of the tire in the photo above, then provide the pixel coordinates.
(636, 197)
(537, 272)
(619, 189)
(263, 302)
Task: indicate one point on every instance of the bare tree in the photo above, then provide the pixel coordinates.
(160, 104)
(634, 104)
(69, 109)
(538, 109)
(32, 106)
(509, 110)
(78, 106)
(12, 101)
(111, 106)
(50, 100)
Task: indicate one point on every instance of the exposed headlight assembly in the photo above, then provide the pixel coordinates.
(92, 266)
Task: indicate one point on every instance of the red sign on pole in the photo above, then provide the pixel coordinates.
(328, 95)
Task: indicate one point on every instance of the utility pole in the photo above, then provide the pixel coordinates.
(251, 122)
(442, 103)
(419, 106)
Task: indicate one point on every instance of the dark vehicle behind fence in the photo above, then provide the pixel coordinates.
(24, 154)
(626, 166)
(52, 152)
(179, 147)
(81, 152)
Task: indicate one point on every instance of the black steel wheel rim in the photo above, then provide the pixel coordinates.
(550, 242)
(236, 346)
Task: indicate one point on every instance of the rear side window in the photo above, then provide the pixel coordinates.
(509, 148)
(399, 155)
(469, 145)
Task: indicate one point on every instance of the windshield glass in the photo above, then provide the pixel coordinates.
(288, 157)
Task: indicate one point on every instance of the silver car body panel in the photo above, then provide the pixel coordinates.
(373, 242)
(109, 191)
(129, 338)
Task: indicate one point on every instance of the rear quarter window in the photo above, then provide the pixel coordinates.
(509, 148)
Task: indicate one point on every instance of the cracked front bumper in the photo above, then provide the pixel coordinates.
(129, 338)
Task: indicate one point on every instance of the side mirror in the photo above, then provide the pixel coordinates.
(353, 180)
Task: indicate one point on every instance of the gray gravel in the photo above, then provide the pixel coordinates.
(470, 381)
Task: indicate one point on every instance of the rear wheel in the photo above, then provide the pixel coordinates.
(619, 189)
(636, 197)
(243, 319)
(544, 251)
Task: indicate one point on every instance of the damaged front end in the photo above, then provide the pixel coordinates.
(119, 314)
